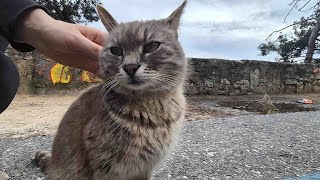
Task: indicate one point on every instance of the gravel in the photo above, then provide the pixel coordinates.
(276, 146)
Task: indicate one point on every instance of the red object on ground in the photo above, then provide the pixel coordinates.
(307, 101)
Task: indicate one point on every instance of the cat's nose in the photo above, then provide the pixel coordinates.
(131, 69)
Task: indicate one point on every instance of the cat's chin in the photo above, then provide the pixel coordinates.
(133, 86)
(141, 90)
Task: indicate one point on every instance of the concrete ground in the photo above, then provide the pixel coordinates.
(279, 146)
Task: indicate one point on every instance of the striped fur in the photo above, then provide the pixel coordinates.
(119, 130)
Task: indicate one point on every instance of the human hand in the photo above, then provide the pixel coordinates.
(69, 44)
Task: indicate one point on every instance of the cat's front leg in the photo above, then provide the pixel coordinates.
(98, 175)
(141, 177)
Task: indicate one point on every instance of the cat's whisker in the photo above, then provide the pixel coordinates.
(107, 86)
(112, 87)
(167, 80)
(108, 80)
(165, 83)
(170, 77)
(111, 80)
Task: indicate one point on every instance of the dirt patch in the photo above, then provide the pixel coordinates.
(33, 115)
(40, 115)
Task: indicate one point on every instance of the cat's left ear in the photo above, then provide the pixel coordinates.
(174, 19)
(107, 20)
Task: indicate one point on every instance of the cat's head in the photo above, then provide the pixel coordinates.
(143, 55)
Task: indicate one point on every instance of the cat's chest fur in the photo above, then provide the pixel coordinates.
(142, 128)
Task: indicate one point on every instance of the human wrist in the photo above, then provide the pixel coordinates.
(31, 26)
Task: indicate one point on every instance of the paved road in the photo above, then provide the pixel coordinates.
(281, 146)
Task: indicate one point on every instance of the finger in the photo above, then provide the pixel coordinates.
(95, 35)
(89, 48)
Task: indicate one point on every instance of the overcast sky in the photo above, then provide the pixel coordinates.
(229, 29)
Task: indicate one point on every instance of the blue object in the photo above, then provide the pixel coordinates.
(311, 176)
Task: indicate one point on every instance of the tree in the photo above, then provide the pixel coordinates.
(72, 11)
(304, 38)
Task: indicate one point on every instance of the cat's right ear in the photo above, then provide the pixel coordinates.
(174, 19)
(107, 20)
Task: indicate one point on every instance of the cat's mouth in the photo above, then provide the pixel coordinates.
(134, 81)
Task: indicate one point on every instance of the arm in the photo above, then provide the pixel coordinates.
(27, 26)
(69, 44)
(11, 11)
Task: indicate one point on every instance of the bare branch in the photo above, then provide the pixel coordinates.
(312, 7)
(281, 30)
(304, 5)
(294, 5)
(295, 23)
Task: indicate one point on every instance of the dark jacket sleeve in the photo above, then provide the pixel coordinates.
(10, 12)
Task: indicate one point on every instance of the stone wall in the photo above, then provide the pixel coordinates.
(228, 77)
(35, 75)
(208, 76)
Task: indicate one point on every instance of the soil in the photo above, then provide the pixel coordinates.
(33, 115)
(40, 115)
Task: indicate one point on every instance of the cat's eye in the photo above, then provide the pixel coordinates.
(117, 51)
(150, 47)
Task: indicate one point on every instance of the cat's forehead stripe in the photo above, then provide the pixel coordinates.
(137, 33)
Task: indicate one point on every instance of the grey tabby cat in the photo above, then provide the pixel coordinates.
(123, 128)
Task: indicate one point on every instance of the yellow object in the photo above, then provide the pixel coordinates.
(87, 76)
(60, 74)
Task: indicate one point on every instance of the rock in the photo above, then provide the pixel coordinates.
(308, 88)
(244, 84)
(223, 89)
(291, 82)
(191, 89)
(236, 85)
(316, 70)
(235, 93)
(316, 89)
(291, 89)
(255, 78)
(289, 69)
(312, 77)
(316, 82)
(300, 87)
(208, 83)
(304, 79)
(225, 81)
(3, 176)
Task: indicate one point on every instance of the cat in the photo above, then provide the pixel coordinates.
(123, 128)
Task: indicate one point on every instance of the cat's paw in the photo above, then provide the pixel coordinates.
(42, 160)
